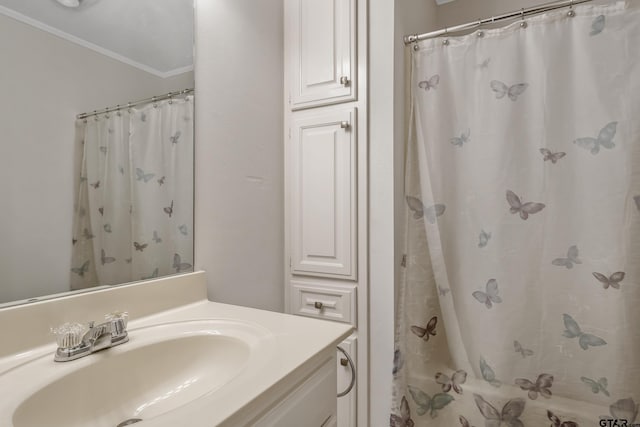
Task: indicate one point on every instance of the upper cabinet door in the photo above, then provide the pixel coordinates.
(322, 35)
(323, 193)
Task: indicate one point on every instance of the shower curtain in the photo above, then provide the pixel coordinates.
(519, 297)
(134, 194)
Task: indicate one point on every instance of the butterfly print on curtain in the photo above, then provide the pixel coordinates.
(597, 386)
(520, 349)
(80, 271)
(175, 138)
(429, 404)
(557, 422)
(104, 259)
(572, 330)
(524, 209)
(501, 90)
(604, 139)
(427, 331)
(462, 139)
(542, 386)
(488, 374)
(613, 280)
(169, 209)
(404, 419)
(489, 297)
(431, 83)
(464, 422)
(597, 25)
(87, 234)
(484, 64)
(140, 246)
(152, 275)
(180, 266)
(398, 361)
(420, 210)
(483, 239)
(142, 176)
(509, 416)
(458, 378)
(548, 155)
(570, 260)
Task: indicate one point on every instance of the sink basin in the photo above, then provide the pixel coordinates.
(161, 368)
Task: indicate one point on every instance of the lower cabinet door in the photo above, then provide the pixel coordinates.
(347, 404)
(312, 404)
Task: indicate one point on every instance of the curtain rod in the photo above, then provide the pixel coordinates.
(512, 15)
(133, 104)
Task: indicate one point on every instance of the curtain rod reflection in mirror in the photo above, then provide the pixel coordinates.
(535, 10)
(168, 95)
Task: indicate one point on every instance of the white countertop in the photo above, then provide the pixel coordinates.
(294, 343)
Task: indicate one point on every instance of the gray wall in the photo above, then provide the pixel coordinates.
(239, 151)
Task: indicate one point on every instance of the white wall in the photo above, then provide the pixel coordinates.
(239, 151)
(386, 144)
(462, 11)
(45, 81)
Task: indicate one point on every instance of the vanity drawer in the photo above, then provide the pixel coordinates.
(329, 302)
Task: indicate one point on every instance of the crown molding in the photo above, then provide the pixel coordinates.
(94, 47)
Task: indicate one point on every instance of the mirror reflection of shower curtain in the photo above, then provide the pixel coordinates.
(521, 280)
(134, 200)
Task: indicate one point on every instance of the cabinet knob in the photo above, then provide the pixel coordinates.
(344, 362)
(344, 81)
(345, 125)
(318, 305)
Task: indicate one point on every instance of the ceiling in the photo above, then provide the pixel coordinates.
(153, 35)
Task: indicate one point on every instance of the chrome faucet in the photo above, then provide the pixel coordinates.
(76, 340)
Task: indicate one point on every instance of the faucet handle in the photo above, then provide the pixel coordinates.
(117, 315)
(118, 321)
(69, 335)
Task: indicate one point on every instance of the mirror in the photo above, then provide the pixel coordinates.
(107, 198)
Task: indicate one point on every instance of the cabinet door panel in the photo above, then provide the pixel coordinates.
(323, 193)
(311, 404)
(323, 52)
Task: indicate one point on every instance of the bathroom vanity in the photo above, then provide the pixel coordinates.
(188, 361)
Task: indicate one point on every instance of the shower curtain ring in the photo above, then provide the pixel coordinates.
(95, 115)
(128, 107)
(523, 23)
(155, 104)
(571, 12)
(118, 110)
(170, 98)
(480, 33)
(446, 33)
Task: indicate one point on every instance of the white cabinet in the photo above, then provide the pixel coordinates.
(335, 302)
(311, 404)
(322, 53)
(323, 202)
(347, 416)
(326, 176)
